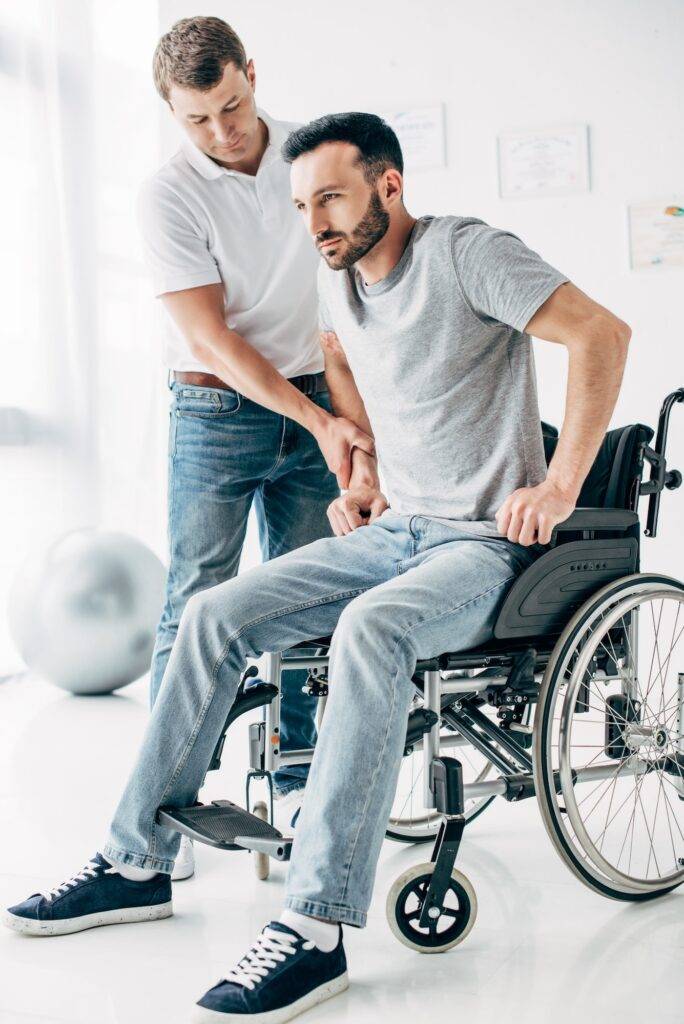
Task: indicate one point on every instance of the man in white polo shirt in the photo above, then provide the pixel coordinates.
(251, 420)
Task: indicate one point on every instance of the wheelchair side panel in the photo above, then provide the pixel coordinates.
(545, 596)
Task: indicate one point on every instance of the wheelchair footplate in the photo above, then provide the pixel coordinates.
(226, 826)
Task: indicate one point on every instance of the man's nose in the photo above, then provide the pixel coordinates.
(223, 132)
(318, 223)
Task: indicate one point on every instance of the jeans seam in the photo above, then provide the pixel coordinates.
(400, 640)
(458, 607)
(286, 610)
(214, 681)
(168, 589)
(279, 457)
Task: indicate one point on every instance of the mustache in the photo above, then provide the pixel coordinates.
(327, 236)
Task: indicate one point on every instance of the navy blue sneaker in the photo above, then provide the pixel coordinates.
(281, 976)
(97, 895)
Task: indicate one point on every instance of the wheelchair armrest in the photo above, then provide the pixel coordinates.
(597, 520)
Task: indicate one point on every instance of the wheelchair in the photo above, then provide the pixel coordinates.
(576, 700)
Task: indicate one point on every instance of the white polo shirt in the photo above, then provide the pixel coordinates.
(204, 224)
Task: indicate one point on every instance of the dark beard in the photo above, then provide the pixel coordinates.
(367, 233)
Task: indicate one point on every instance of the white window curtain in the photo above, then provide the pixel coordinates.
(82, 396)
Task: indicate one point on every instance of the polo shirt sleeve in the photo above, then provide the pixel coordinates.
(176, 248)
(500, 278)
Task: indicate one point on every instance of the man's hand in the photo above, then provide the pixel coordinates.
(336, 438)
(529, 514)
(358, 507)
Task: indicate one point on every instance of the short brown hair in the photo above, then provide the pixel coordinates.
(194, 53)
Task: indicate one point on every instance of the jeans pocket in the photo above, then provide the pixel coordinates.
(206, 403)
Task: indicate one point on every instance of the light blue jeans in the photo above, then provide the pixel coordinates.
(402, 589)
(225, 454)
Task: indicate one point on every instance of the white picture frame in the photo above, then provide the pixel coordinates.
(551, 161)
(656, 234)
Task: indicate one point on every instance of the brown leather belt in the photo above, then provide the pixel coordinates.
(309, 383)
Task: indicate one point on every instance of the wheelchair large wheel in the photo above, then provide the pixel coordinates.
(609, 739)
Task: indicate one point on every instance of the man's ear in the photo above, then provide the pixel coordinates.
(392, 186)
(251, 74)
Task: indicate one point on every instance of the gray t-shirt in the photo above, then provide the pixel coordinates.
(445, 370)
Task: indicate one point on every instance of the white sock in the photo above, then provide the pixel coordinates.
(132, 873)
(323, 934)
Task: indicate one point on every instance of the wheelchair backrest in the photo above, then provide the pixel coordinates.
(613, 480)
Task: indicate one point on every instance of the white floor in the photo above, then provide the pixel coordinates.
(543, 947)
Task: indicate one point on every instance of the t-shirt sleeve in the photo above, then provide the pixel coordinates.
(175, 247)
(501, 279)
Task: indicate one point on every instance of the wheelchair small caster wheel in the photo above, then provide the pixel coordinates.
(261, 860)
(446, 929)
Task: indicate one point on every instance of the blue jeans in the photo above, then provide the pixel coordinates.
(402, 589)
(225, 453)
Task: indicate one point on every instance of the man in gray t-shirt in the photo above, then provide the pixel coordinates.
(426, 328)
(439, 353)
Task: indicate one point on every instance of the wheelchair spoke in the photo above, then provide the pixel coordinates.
(667, 813)
(632, 658)
(655, 815)
(631, 841)
(655, 630)
(610, 806)
(603, 782)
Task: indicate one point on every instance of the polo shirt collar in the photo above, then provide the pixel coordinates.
(210, 170)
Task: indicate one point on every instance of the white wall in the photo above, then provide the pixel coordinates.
(79, 358)
(615, 64)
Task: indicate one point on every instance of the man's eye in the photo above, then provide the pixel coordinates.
(329, 195)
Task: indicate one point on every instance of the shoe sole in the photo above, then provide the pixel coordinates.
(127, 915)
(203, 1015)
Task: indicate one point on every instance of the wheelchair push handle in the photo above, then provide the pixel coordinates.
(661, 477)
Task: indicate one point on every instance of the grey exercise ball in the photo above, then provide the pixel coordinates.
(83, 612)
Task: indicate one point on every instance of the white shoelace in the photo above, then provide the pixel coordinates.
(269, 949)
(89, 871)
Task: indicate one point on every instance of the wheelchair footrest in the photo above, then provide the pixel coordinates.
(226, 826)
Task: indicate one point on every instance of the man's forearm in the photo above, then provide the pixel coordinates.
(344, 395)
(595, 372)
(346, 401)
(234, 360)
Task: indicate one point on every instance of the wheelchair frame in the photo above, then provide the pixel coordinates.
(594, 550)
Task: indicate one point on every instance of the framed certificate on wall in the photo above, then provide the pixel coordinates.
(544, 162)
